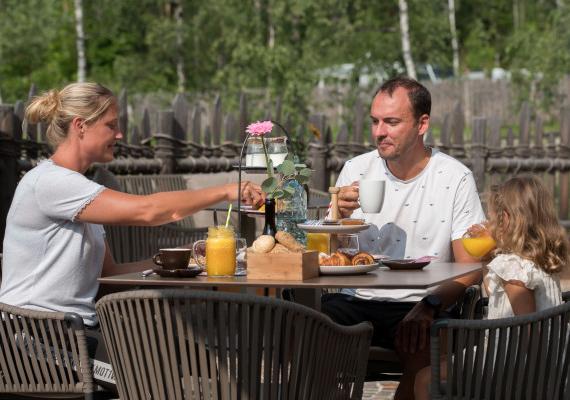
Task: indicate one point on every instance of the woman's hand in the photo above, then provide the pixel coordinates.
(250, 193)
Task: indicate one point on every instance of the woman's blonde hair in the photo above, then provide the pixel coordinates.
(57, 108)
(523, 221)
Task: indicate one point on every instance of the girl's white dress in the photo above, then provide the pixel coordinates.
(506, 267)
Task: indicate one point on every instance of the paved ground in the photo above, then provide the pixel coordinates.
(379, 390)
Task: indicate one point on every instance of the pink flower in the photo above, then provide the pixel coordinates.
(259, 128)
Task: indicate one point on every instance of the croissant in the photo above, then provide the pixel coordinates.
(339, 259)
(362, 258)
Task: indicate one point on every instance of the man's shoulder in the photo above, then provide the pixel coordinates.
(450, 163)
(362, 159)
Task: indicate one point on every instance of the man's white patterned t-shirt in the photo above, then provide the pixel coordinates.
(420, 217)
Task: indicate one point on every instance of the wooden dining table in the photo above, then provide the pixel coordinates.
(308, 292)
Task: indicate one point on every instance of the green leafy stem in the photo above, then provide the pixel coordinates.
(274, 186)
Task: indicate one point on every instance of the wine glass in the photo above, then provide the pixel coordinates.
(348, 244)
(241, 257)
(477, 241)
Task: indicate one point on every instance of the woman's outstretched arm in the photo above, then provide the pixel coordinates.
(118, 208)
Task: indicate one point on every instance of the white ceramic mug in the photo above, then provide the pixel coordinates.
(371, 195)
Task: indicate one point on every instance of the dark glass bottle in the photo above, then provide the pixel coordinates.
(269, 227)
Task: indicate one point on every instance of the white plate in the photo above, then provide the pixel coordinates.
(333, 228)
(347, 270)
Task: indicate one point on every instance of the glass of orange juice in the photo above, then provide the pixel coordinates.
(477, 241)
(220, 251)
(319, 242)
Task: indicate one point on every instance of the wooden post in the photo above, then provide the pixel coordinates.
(217, 121)
(494, 148)
(243, 117)
(164, 149)
(9, 171)
(180, 123)
(478, 152)
(564, 153)
(123, 115)
(318, 156)
(523, 148)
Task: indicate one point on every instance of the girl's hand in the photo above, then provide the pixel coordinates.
(478, 230)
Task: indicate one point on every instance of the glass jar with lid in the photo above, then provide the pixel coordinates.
(277, 149)
(254, 155)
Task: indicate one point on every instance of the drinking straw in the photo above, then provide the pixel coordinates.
(228, 217)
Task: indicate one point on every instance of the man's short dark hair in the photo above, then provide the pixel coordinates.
(419, 96)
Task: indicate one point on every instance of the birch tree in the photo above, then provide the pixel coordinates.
(405, 34)
(80, 42)
(179, 42)
(453, 31)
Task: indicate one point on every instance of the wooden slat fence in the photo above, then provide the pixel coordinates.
(191, 139)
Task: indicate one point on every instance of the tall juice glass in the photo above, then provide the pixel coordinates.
(477, 241)
(319, 242)
(220, 251)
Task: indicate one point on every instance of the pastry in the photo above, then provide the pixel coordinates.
(263, 244)
(337, 259)
(362, 258)
(344, 258)
(287, 240)
(351, 221)
(279, 248)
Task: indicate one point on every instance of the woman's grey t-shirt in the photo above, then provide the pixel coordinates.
(51, 262)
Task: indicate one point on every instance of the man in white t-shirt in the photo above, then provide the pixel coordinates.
(430, 200)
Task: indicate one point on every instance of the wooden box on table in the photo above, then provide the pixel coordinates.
(283, 266)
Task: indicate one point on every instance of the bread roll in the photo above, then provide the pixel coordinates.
(263, 244)
(287, 240)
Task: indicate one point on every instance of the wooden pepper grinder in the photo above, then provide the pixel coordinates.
(335, 213)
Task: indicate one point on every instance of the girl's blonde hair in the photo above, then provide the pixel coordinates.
(523, 221)
(57, 108)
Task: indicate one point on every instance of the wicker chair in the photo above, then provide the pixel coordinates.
(43, 353)
(524, 357)
(179, 344)
(384, 364)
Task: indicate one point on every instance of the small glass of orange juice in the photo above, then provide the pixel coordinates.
(477, 241)
(319, 242)
(220, 251)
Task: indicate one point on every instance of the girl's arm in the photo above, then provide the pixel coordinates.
(521, 298)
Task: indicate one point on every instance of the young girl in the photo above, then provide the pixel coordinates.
(532, 248)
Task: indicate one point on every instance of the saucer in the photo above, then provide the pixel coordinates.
(178, 273)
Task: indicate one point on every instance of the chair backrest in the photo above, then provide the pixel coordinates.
(524, 357)
(43, 352)
(180, 344)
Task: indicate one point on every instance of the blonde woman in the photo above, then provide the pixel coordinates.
(54, 244)
(532, 248)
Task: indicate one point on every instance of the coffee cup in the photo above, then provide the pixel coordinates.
(174, 258)
(371, 195)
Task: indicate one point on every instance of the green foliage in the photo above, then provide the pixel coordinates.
(276, 188)
(275, 48)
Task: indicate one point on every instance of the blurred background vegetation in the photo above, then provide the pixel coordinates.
(279, 47)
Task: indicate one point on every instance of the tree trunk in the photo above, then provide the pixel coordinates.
(454, 44)
(406, 46)
(179, 42)
(80, 42)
